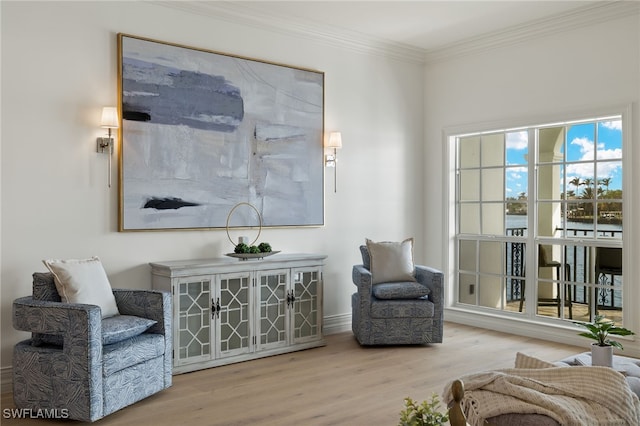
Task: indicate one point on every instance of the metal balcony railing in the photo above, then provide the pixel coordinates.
(581, 267)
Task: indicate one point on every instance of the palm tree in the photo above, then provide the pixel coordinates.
(606, 181)
(575, 182)
(587, 182)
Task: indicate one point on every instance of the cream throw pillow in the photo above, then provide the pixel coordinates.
(528, 361)
(83, 281)
(391, 261)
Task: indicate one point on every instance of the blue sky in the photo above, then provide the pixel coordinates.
(580, 148)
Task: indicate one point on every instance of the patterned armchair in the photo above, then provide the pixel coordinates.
(84, 364)
(388, 314)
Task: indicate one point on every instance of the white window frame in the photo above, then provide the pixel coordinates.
(456, 310)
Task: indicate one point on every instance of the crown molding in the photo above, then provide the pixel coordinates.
(240, 13)
(562, 22)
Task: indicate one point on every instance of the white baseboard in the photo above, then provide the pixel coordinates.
(6, 378)
(332, 325)
(337, 323)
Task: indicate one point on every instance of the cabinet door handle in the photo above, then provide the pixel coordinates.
(215, 308)
(290, 298)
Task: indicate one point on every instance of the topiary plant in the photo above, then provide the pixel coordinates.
(241, 248)
(425, 414)
(264, 247)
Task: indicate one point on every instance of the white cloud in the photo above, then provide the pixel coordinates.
(607, 154)
(518, 170)
(585, 170)
(613, 125)
(517, 140)
(586, 147)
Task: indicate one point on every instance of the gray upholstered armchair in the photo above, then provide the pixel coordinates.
(86, 365)
(393, 313)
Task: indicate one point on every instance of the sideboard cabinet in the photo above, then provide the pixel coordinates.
(227, 310)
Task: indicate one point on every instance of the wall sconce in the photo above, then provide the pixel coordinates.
(105, 145)
(331, 160)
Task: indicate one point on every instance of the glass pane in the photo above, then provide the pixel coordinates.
(467, 286)
(469, 185)
(548, 299)
(579, 261)
(490, 291)
(469, 219)
(493, 219)
(469, 150)
(610, 220)
(609, 179)
(492, 184)
(515, 259)
(580, 142)
(467, 255)
(491, 257)
(517, 147)
(515, 294)
(551, 145)
(516, 219)
(609, 139)
(550, 258)
(550, 180)
(550, 219)
(573, 186)
(608, 272)
(194, 289)
(492, 150)
(517, 181)
(583, 226)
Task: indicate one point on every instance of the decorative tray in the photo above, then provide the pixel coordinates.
(246, 256)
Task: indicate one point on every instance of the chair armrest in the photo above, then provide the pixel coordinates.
(80, 325)
(75, 370)
(434, 280)
(362, 279)
(151, 304)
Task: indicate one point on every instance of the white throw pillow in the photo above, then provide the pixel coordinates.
(83, 281)
(391, 261)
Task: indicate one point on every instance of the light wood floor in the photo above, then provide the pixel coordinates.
(339, 384)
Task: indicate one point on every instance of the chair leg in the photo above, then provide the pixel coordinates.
(569, 298)
(559, 297)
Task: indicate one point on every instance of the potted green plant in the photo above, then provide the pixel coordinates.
(425, 414)
(599, 330)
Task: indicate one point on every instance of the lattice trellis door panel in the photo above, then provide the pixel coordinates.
(306, 316)
(234, 314)
(194, 325)
(273, 308)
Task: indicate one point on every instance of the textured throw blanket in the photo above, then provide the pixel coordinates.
(579, 396)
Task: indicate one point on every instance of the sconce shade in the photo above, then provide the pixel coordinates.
(109, 118)
(335, 140)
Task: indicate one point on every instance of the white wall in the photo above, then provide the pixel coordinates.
(59, 69)
(586, 69)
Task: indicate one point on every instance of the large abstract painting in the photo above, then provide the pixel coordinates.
(203, 131)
